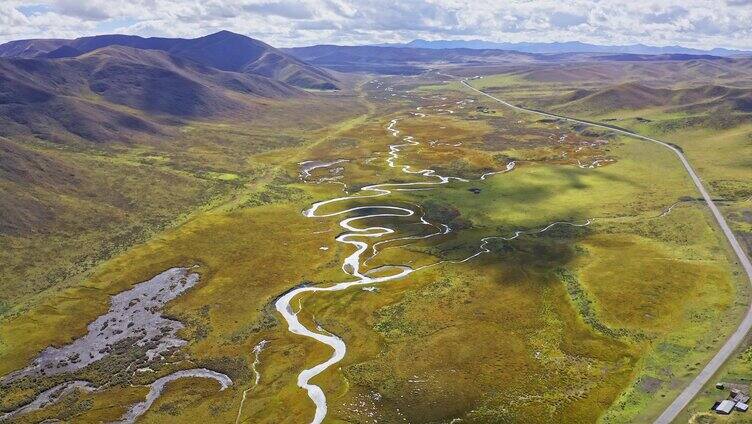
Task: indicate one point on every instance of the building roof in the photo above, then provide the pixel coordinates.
(742, 406)
(725, 407)
(740, 397)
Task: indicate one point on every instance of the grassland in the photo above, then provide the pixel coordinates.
(716, 141)
(563, 325)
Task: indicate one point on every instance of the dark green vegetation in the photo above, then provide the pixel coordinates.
(562, 325)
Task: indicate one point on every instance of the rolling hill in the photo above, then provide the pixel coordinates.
(224, 50)
(658, 71)
(635, 96)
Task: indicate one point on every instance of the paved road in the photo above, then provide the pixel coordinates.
(733, 342)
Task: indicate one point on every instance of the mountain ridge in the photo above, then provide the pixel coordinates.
(117, 92)
(223, 50)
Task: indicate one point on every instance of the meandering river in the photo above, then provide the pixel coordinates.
(359, 238)
(363, 239)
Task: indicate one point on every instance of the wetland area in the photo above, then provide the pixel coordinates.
(426, 255)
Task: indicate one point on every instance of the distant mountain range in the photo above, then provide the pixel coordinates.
(415, 60)
(565, 47)
(224, 50)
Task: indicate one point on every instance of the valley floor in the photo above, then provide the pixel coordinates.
(507, 269)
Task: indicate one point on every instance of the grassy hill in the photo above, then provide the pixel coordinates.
(705, 98)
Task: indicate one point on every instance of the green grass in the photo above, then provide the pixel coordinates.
(558, 326)
(715, 144)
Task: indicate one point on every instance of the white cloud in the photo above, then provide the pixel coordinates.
(694, 23)
(90, 10)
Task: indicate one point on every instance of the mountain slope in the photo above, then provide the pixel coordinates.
(234, 52)
(223, 50)
(154, 81)
(31, 104)
(30, 48)
(116, 92)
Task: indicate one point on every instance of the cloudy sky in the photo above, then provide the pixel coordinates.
(284, 23)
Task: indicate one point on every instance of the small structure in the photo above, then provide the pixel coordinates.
(724, 407)
(738, 399)
(739, 396)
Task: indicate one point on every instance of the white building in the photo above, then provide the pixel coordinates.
(725, 407)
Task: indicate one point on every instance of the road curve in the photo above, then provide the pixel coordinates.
(728, 348)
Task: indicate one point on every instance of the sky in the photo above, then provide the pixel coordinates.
(285, 23)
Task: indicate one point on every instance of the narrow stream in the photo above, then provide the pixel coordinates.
(48, 397)
(155, 390)
(256, 374)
